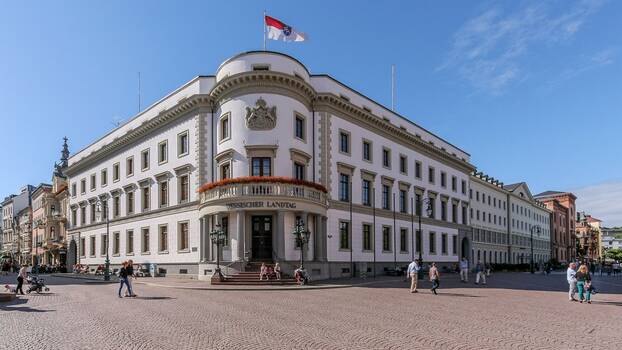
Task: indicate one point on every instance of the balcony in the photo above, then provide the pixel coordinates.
(263, 193)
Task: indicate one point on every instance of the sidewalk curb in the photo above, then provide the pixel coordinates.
(264, 289)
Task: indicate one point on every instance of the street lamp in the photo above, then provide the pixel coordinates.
(102, 210)
(537, 229)
(218, 237)
(429, 210)
(301, 235)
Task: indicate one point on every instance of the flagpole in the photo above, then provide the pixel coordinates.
(264, 29)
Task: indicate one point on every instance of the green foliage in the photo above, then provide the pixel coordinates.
(617, 236)
(615, 254)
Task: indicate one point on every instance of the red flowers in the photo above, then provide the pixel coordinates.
(257, 179)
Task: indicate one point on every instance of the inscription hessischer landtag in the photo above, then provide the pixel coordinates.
(262, 204)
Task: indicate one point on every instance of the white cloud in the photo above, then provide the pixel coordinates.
(603, 201)
(487, 48)
(581, 65)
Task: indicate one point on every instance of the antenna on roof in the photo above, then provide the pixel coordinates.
(393, 87)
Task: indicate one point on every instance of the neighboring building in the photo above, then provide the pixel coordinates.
(588, 237)
(563, 237)
(254, 148)
(41, 225)
(611, 238)
(23, 235)
(8, 248)
(489, 219)
(12, 206)
(529, 220)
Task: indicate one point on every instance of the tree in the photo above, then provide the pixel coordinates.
(615, 254)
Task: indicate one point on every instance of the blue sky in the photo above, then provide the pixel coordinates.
(532, 90)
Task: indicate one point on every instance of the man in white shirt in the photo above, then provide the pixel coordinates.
(464, 270)
(572, 281)
(413, 269)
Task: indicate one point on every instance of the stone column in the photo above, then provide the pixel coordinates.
(319, 242)
(280, 235)
(241, 220)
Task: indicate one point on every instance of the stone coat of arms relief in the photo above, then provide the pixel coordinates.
(261, 117)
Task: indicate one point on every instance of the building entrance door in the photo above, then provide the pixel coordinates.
(261, 238)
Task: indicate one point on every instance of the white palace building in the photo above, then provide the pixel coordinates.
(254, 148)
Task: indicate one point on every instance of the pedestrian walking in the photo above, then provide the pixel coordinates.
(413, 271)
(123, 279)
(21, 276)
(572, 281)
(464, 270)
(130, 275)
(583, 284)
(480, 273)
(434, 278)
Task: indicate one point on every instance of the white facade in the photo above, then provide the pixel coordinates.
(528, 215)
(279, 137)
(489, 219)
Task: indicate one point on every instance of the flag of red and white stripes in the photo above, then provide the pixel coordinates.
(278, 30)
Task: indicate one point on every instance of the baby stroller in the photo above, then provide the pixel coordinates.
(36, 285)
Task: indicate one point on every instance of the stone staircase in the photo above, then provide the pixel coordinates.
(250, 277)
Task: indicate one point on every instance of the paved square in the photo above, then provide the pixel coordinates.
(515, 311)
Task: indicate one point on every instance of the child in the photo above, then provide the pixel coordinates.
(10, 289)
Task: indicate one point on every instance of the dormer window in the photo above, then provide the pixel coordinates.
(257, 67)
(344, 97)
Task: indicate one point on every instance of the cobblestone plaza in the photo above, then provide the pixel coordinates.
(514, 311)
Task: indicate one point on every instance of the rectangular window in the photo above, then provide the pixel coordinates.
(464, 215)
(443, 179)
(82, 246)
(454, 244)
(454, 213)
(183, 236)
(299, 171)
(104, 177)
(432, 207)
(431, 174)
(144, 160)
(386, 197)
(419, 241)
(93, 182)
(129, 163)
(116, 243)
(418, 169)
(145, 198)
(344, 142)
(130, 203)
(129, 242)
(144, 240)
(344, 235)
(366, 193)
(366, 237)
(116, 206)
(386, 238)
(224, 128)
(464, 187)
(386, 158)
(403, 165)
(184, 189)
(225, 171)
(432, 243)
(454, 183)
(344, 187)
(74, 217)
(163, 239)
(224, 225)
(367, 151)
(73, 190)
(92, 246)
(261, 166)
(444, 210)
(83, 186)
(104, 246)
(403, 201)
(403, 240)
(82, 215)
(183, 146)
(116, 173)
(299, 127)
(444, 243)
(93, 213)
(418, 204)
(162, 152)
(163, 193)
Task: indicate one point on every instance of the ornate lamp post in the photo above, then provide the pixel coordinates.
(537, 230)
(429, 210)
(218, 237)
(102, 210)
(301, 235)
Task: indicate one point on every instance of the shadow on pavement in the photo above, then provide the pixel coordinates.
(12, 306)
(154, 298)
